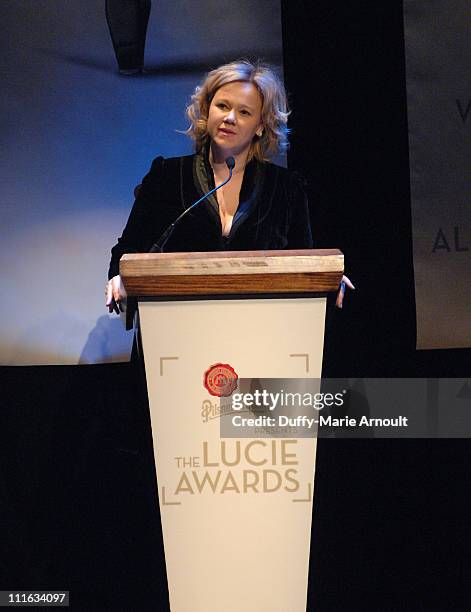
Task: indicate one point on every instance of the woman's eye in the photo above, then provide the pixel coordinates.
(245, 112)
(221, 105)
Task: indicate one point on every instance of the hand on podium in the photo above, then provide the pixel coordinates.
(345, 282)
(114, 294)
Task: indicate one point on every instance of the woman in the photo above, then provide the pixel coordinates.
(239, 111)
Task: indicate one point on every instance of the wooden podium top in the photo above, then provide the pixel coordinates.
(231, 272)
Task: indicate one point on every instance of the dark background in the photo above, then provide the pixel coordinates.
(391, 525)
(391, 519)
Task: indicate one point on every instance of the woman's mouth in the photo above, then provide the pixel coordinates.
(226, 132)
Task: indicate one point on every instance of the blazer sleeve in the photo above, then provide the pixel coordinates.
(144, 220)
(299, 223)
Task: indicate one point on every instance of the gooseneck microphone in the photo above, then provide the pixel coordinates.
(158, 247)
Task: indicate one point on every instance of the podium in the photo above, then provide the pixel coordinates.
(236, 513)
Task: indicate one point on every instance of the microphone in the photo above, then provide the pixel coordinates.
(158, 247)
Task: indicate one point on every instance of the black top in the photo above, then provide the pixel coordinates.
(272, 214)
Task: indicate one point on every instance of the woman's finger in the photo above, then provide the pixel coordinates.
(118, 289)
(111, 302)
(108, 294)
(347, 282)
(340, 295)
(116, 292)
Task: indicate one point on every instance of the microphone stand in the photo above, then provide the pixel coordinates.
(158, 247)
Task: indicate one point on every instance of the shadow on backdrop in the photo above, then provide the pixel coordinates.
(108, 341)
(183, 66)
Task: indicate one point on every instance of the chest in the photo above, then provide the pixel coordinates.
(228, 200)
(228, 196)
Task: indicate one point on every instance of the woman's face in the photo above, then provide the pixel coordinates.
(235, 115)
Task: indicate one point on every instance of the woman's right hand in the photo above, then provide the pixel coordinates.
(114, 293)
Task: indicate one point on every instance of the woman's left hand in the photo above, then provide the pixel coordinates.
(345, 282)
(114, 294)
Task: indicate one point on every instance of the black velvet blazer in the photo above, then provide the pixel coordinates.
(272, 214)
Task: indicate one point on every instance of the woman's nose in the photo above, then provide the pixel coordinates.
(230, 117)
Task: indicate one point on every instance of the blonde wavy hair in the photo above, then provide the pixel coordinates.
(275, 112)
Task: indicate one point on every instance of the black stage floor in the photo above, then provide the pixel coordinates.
(391, 521)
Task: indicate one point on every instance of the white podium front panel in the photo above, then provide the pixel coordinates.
(236, 513)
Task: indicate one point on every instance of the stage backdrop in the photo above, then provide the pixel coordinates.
(77, 138)
(438, 55)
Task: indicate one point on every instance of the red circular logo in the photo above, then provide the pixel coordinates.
(220, 380)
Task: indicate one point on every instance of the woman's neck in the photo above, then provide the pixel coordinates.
(217, 160)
